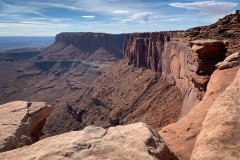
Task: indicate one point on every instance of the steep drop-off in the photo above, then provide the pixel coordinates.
(186, 65)
(85, 46)
(163, 75)
(59, 73)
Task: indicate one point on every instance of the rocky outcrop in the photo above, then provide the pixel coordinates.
(219, 137)
(231, 61)
(21, 123)
(186, 130)
(131, 142)
(85, 46)
(227, 27)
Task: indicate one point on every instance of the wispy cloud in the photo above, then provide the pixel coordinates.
(89, 17)
(120, 11)
(209, 7)
(52, 16)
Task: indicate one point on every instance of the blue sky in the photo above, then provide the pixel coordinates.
(49, 17)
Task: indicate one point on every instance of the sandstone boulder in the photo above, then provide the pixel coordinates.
(231, 61)
(134, 141)
(21, 123)
(219, 137)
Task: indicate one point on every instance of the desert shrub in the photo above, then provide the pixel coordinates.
(227, 35)
(238, 18)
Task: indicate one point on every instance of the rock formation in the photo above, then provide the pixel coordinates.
(85, 46)
(21, 123)
(130, 142)
(186, 130)
(180, 66)
(231, 61)
(164, 78)
(219, 137)
(187, 65)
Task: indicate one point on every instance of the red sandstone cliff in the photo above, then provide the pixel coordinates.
(186, 65)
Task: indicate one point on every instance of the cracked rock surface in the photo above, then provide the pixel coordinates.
(134, 141)
(21, 123)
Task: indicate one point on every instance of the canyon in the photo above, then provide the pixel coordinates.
(183, 84)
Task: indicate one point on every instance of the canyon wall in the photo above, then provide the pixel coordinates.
(188, 65)
(89, 42)
(85, 46)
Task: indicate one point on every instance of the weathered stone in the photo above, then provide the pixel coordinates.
(134, 141)
(231, 61)
(180, 137)
(219, 137)
(21, 123)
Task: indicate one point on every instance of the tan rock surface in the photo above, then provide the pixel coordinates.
(134, 141)
(21, 123)
(220, 134)
(181, 136)
(231, 61)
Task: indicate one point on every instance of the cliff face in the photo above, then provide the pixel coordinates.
(188, 65)
(89, 42)
(85, 46)
(145, 49)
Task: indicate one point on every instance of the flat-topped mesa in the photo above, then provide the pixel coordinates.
(89, 42)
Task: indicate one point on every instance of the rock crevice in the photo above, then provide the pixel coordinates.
(24, 123)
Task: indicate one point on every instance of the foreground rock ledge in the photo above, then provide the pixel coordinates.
(220, 134)
(130, 142)
(21, 123)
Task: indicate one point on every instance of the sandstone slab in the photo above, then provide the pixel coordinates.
(219, 137)
(134, 141)
(21, 123)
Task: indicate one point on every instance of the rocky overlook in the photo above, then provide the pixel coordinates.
(121, 142)
(183, 84)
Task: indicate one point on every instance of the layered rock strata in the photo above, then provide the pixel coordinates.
(85, 46)
(21, 123)
(186, 65)
(131, 142)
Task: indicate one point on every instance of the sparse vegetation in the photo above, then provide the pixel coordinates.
(238, 18)
(238, 61)
(228, 35)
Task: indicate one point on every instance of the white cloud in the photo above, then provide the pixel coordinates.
(142, 17)
(120, 11)
(208, 7)
(89, 17)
